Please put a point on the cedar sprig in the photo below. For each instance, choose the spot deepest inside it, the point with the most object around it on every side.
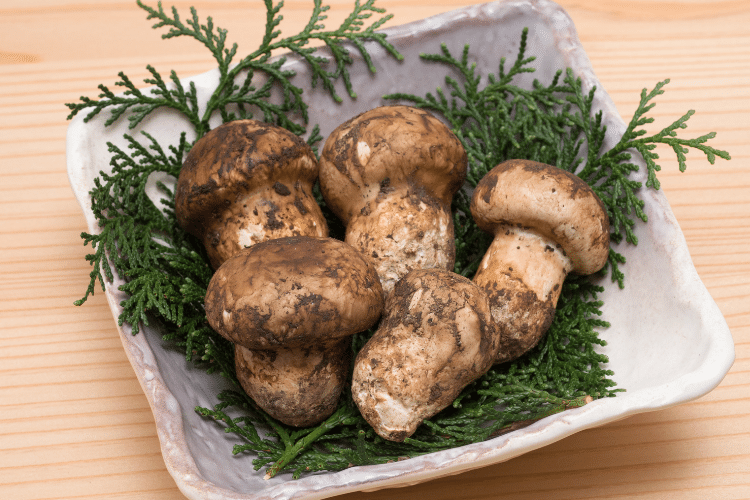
(611, 172)
(119, 200)
(237, 94)
(120, 204)
(555, 124)
(353, 30)
(244, 425)
(165, 269)
(133, 230)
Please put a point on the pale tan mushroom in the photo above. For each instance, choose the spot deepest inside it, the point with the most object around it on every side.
(291, 306)
(436, 336)
(245, 182)
(390, 175)
(546, 223)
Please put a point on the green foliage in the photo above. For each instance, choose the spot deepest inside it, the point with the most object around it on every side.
(610, 172)
(120, 203)
(236, 95)
(554, 124)
(166, 271)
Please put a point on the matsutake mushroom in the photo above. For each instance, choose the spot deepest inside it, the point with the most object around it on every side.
(291, 305)
(245, 182)
(390, 174)
(546, 223)
(437, 336)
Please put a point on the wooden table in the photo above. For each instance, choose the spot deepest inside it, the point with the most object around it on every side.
(74, 422)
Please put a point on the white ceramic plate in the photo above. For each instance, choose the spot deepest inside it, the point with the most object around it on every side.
(668, 342)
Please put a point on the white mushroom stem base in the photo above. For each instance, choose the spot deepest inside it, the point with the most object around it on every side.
(277, 211)
(436, 337)
(399, 233)
(297, 386)
(522, 273)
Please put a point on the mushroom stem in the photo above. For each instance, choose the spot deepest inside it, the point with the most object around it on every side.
(522, 273)
(276, 211)
(402, 232)
(299, 386)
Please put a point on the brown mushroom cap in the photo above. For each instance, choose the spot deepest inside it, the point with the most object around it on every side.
(244, 182)
(385, 147)
(553, 202)
(292, 292)
(436, 337)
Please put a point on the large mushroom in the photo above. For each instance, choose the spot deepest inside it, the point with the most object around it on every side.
(390, 175)
(291, 305)
(546, 223)
(245, 182)
(436, 337)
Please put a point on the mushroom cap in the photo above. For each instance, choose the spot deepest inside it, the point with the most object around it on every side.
(553, 202)
(386, 147)
(292, 292)
(232, 161)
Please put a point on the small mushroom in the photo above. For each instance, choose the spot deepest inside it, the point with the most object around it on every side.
(436, 337)
(390, 175)
(245, 182)
(291, 305)
(546, 223)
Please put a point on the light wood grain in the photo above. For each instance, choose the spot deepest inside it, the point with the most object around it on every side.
(74, 421)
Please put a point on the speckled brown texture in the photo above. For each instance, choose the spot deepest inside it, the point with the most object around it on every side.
(522, 274)
(554, 203)
(390, 174)
(292, 304)
(547, 223)
(437, 336)
(298, 386)
(293, 292)
(245, 182)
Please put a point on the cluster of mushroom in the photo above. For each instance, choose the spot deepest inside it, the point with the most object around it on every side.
(290, 298)
(285, 294)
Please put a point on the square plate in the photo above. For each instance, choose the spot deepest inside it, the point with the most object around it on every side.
(668, 342)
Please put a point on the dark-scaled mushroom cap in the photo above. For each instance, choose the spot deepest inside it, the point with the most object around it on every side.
(555, 203)
(385, 147)
(234, 160)
(293, 292)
